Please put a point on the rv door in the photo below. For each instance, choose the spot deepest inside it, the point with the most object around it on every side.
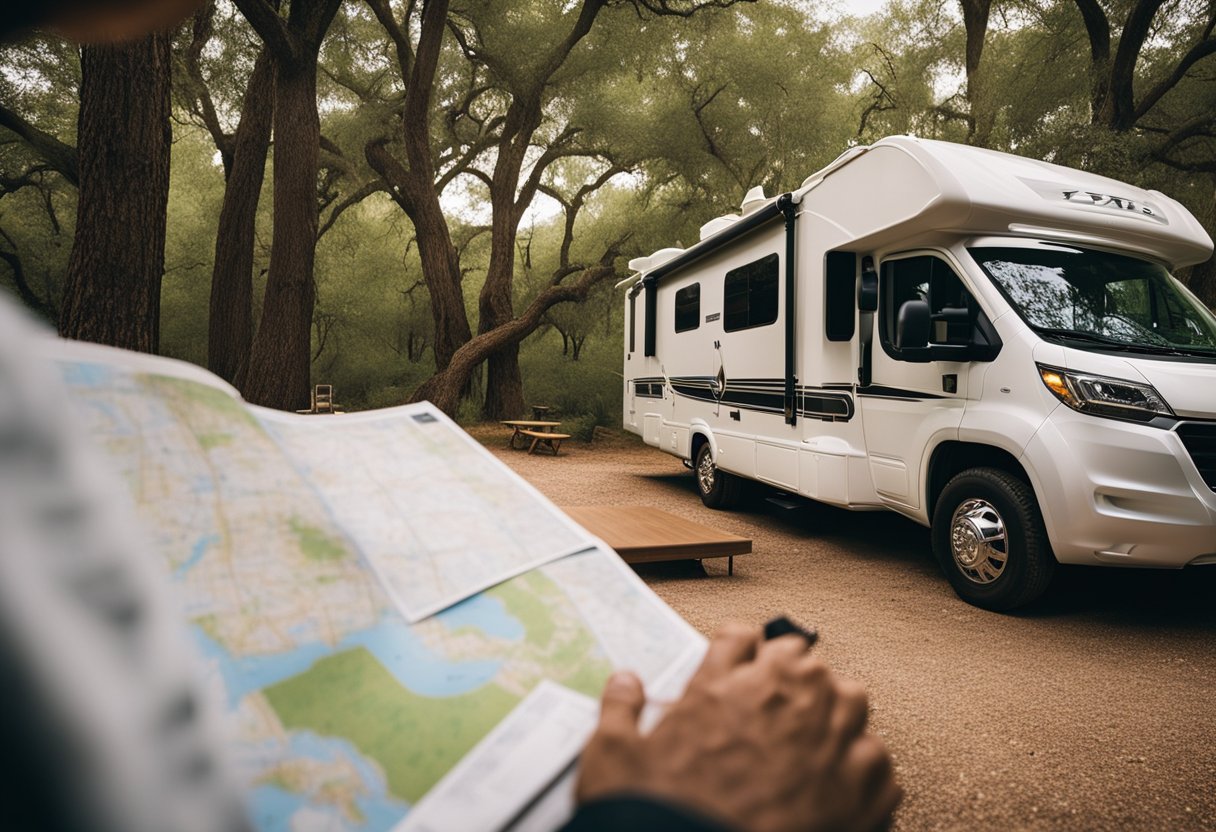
(915, 394)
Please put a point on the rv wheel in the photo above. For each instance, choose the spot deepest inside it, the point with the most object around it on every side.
(718, 489)
(989, 538)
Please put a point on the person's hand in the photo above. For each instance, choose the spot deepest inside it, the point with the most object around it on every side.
(765, 738)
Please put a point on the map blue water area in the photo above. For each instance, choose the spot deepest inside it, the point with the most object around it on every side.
(380, 809)
(84, 376)
(80, 374)
(392, 641)
(197, 551)
(273, 808)
(486, 613)
(246, 674)
(416, 666)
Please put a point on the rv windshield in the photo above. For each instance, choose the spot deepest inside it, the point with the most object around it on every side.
(1098, 300)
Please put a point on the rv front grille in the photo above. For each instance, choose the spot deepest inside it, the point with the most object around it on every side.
(1200, 441)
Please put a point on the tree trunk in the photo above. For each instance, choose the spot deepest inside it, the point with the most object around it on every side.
(1097, 27)
(441, 268)
(414, 190)
(1202, 281)
(983, 111)
(504, 384)
(112, 295)
(278, 374)
(230, 327)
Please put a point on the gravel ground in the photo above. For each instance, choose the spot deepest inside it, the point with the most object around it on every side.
(1094, 710)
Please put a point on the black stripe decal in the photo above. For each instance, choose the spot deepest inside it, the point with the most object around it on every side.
(875, 391)
(813, 403)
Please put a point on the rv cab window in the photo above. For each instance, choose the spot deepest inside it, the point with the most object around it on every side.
(688, 308)
(751, 295)
(932, 280)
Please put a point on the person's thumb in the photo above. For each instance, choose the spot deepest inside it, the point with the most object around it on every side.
(621, 704)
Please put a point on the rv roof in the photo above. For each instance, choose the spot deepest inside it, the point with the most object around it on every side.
(976, 190)
(901, 182)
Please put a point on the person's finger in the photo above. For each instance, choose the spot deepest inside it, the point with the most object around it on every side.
(849, 715)
(621, 705)
(782, 652)
(868, 763)
(730, 647)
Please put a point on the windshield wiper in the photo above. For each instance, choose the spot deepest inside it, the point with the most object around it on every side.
(1111, 343)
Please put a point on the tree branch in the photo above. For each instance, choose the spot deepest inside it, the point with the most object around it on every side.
(558, 149)
(444, 387)
(59, 156)
(201, 102)
(271, 28)
(666, 7)
(575, 205)
(401, 42)
(366, 190)
(31, 299)
(1206, 46)
(422, 78)
(1097, 26)
(1119, 111)
(394, 174)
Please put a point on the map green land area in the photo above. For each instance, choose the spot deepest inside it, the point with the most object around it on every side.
(415, 739)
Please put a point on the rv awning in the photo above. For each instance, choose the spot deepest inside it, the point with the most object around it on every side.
(712, 244)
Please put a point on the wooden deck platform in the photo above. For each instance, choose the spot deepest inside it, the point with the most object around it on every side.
(641, 534)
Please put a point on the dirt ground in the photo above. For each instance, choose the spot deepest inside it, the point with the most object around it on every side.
(1093, 710)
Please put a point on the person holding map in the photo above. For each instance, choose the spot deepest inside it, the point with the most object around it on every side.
(104, 728)
(764, 738)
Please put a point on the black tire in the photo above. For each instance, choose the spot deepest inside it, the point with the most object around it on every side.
(983, 501)
(718, 489)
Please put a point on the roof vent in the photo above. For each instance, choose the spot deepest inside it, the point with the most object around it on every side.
(753, 200)
(717, 224)
(663, 255)
(645, 264)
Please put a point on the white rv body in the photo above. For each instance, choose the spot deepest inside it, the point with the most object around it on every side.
(783, 400)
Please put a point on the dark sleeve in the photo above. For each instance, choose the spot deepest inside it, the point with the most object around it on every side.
(638, 813)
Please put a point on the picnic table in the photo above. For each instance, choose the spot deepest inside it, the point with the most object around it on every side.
(541, 433)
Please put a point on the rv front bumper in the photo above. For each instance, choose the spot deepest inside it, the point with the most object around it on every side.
(1117, 493)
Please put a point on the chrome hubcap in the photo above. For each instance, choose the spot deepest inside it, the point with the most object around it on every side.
(705, 473)
(978, 541)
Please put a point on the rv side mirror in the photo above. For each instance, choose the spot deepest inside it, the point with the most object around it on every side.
(867, 291)
(912, 326)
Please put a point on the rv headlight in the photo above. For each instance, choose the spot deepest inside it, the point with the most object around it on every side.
(1104, 396)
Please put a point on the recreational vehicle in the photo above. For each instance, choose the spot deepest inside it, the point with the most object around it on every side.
(990, 345)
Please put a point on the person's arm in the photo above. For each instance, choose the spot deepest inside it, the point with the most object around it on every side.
(764, 738)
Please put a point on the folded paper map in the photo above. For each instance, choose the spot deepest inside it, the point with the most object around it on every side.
(398, 631)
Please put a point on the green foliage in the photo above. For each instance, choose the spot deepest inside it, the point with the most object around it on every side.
(699, 109)
(196, 190)
(583, 393)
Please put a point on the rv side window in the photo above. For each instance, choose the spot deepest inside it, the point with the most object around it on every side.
(688, 308)
(840, 295)
(930, 279)
(751, 295)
